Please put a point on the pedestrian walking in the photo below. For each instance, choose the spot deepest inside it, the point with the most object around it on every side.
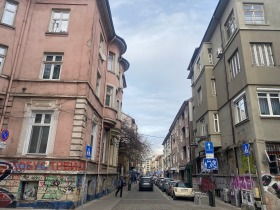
(119, 186)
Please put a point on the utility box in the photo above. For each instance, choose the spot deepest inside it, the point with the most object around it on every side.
(235, 197)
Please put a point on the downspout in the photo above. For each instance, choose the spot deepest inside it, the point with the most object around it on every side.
(15, 62)
(102, 121)
(227, 91)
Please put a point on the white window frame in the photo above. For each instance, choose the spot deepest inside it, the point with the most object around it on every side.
(213, 87)
(216, 123)
(104, 145)
(8, 11)
(230, 25)
(241, 113)
(234, 64)
(3, 53)
(262, 54)
(94, 140)
(203, 127)
(268, 95)
(53, 63)
(199, 93)
(56, 25)
(27, 126)
(110, 95)
(251, 13)
(111, 62)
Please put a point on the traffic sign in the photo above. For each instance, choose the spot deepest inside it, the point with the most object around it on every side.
(210, 163)
(4, 135)
(246, 149)
(209, 147)
(88, 151)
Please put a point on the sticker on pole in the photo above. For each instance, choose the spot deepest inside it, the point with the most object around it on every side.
(88, 151)
(4, 135)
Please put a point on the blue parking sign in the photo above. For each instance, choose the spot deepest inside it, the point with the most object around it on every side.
(88, 151)
(210, 163)
(246, 149)
(209, 147)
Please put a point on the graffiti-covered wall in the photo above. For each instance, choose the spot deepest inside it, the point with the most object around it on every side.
(21, 186)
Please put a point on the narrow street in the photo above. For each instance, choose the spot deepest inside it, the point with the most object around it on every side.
(149, 200)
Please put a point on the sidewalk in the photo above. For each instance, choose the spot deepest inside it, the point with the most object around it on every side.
(106, 202)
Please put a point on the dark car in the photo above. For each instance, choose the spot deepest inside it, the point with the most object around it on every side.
(146, 183)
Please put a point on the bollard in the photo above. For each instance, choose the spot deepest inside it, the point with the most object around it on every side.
(211, 198)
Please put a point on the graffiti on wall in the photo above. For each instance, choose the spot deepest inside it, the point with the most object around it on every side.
(7, 199)
(205, 183)
(271, 184)
(241, 183)
(49, 165)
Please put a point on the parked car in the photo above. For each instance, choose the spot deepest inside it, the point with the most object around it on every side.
(158, 181)
(146, 183)
(180, 189)
(169, 187)
(164, 183)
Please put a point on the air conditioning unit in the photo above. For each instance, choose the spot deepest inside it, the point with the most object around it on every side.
(219, 52)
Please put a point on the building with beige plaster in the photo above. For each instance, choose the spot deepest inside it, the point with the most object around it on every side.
(235, 85)
(61, 86)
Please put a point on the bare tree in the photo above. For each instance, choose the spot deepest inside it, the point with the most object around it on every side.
(133, 145)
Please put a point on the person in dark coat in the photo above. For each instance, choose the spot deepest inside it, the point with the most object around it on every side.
(119, 186)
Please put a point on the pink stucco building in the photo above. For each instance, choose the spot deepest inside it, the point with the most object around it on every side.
(61, 87)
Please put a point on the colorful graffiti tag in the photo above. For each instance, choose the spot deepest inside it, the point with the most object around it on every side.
(241, 183)
(7, 199)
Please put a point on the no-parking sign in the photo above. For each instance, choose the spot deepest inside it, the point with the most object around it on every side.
(4, 135)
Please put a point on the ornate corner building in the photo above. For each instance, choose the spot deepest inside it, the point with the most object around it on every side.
(62, 75)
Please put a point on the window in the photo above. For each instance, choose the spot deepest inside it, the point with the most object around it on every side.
(198, 64)
(40, 123)
(104, 143)
(29, 191)
(93, 140)
(254, 13)
(199, 93)
(111, 62)
(9, 13)
(101, 48)
(241, 109)
(210, 56)
(230, 25)
(262, 54)
(269, 103)
(213, 87)
(216, 123)
(203, 127)
(52, 66)
(273, 152)
(59, 21)
(3, 52)
(98, 81)
(234, 65)
(109, 96)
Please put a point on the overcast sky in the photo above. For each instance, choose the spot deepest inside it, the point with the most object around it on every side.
(161, 36)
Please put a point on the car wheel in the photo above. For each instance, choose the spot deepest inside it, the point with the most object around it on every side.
(174, 197)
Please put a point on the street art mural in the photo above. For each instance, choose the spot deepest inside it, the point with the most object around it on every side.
(7, 199)
(271, 184)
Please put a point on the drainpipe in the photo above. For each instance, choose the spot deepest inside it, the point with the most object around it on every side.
(102, 121)
(15, 62)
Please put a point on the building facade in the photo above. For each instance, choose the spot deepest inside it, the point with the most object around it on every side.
(236, 95)
(61, 86)
(177, 145)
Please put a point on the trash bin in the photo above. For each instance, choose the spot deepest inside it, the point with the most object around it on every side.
(211, 195)
(129, 185)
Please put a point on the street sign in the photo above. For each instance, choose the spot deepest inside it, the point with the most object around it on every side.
(246, 149)
(88, 151)
(209, 155)
(4, 135)
(210, 163)
(209, 147)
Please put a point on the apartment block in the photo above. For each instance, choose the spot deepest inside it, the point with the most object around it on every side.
(234, 78)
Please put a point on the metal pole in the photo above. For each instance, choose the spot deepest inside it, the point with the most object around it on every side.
(250, 173)
(83, 186)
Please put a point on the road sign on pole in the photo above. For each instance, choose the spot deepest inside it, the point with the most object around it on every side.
(88, 151)
(209, 149)
(246, 149)
(4, 135)
(210, 163)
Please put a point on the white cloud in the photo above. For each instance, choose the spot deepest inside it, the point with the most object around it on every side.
(161, 37)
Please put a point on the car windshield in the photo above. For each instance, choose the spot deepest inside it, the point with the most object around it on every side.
(182, 184)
